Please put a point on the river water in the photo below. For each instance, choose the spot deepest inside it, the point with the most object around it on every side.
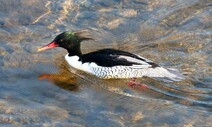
(37, 89)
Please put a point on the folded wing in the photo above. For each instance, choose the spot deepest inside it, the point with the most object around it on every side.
(112, 57)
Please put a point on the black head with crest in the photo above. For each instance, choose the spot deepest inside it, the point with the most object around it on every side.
(69, 41)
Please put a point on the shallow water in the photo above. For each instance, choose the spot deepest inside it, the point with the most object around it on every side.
(37, 89)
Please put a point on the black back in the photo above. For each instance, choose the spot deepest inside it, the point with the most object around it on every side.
(110, 58)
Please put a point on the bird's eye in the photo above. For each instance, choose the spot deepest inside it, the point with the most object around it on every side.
(61, 39)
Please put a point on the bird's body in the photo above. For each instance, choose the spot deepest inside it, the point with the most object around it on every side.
(109, 63)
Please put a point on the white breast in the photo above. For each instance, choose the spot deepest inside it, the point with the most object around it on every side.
(74, 62)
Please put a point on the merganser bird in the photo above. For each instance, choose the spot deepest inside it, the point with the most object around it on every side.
(108, 63)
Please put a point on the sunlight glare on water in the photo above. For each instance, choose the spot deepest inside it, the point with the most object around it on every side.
(40, 89)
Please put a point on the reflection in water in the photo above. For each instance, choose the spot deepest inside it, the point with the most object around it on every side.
(65, 83)
(63, 79)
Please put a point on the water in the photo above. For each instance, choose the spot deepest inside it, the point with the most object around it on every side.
(37, 89)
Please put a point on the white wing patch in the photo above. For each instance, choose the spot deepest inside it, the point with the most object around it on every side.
(131, 59)
(143, 64)
(147, 60)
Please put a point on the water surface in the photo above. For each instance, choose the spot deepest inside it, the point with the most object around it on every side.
(37, 89)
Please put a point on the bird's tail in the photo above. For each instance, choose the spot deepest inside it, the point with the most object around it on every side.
(168, 75)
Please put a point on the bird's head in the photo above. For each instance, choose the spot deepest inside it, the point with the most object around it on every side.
(67, 40)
